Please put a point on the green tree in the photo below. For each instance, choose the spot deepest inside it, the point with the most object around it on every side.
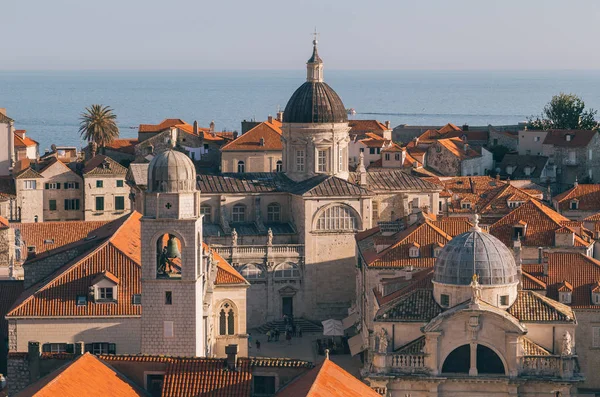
(99, 125)
(565, 112)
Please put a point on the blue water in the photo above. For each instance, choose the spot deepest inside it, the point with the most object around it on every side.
(48, 104)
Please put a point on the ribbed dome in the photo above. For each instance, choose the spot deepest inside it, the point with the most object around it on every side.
(475, 252)
(171, 172)
(315, 102)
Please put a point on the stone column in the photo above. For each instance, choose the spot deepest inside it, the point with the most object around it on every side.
(473, 369)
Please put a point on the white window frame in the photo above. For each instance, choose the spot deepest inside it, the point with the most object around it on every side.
(274, 212)
(413, 252)
(279, 166)
(238, 213)
(300, 160)
(241, 166)
(341, 160)
(106, 293)
(286, 270)
(337, 218)
(322, 155)
(564, 297)
(252, 271)
(29, 184)
(465, 206)
(206, 210)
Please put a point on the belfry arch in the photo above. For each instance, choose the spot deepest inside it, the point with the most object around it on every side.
(487, 361)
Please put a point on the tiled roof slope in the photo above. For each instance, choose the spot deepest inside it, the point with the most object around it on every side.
(251, 140)
(518, 162)
(46, 236)
(587, 195)
(541, 222)
(415, 306)
(123, 145)
(23, 142)
(362, 127)
(258, 182)
(579, 138)
(532, 307)
(85, 376)
(325, 185)
(413, 347)
(206, 377)
(456, 147)
(578, 270)
(56, 296)
(4, 223)
(226, 274)
(327, 380)
(530, 348)
(393, 180)
(95, 166)
(163, 125)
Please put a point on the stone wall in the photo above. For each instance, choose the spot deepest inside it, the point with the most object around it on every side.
(30, 201)
(443, 161)
(498, 138)
(59, 173)
(588, 354)
(17, 375)
(255, 161)
(109, 191)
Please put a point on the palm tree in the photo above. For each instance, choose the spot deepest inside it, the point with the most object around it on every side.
(99, 125)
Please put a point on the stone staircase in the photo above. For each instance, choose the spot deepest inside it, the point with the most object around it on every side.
(302, 323)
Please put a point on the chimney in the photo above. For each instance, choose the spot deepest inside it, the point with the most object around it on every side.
(33, 357)
(20, 133)
(195, 127)
(465, 127)
(79, 348)
(540, 254)
(232, 352)
(235, 134)
(576, 183)
(416, 139)
(280, 116)
(212, 126)
(270, 119)
(3, 111)
(261, 142)
(361, 169)
(388, 125)
(545, 266)
(466, 146)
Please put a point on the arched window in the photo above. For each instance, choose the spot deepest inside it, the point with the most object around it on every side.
(274, 212)
(227, 319)
(241, 166)
(279, 166)
(252, 272)
(168, 256)
(206, 210)
(238, 214)
(337, 218)
(287, 270)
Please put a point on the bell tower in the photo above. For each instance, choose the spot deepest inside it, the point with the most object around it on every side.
(173, 279)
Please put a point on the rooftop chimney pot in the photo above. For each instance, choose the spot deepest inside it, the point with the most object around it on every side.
(232, 352)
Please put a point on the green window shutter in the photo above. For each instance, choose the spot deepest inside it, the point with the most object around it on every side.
(58, 185)
(76, 204)
(66, 185)
(46, 348)
(76, 185)
(47, 186)
(99, 203)
(112, 348)
(119, 203)
(120, 183)
(70, 348)
(66, 204)
(52, 205)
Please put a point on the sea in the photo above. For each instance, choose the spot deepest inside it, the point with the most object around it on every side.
(48, 104)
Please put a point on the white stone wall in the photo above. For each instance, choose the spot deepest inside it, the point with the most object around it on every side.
(7, 147)
(109, 191)
(59, 173)
(237, 296)
(30, 201)
(255, 161)
(124, 332)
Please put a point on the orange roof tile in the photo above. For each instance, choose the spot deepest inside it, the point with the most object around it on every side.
(85, 376)
(579, 138)
(163, 125)
(23, 142)
(327, 380)
(542, 222)
(56, 296)
(569, 271)
(587, 195)
(4, 223)
(449, 128)
(251, 140)
(456, 147)
(226, 274)
(362, 127)
(123, 145)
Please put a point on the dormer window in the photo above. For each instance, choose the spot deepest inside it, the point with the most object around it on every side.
(465, 205)
(81, 300)
(595, 298)
(568, 137)
(518, 232)
(527, 170)
(414, 251)
(574, 204)
(509, 170)
(565, 290)
(437, 248)
(104, 287)
(514, 204)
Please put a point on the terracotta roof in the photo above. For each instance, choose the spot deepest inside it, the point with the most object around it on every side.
(327, 380)
(588, 196)
(456, 147)
(579, 138)
(374, 141)
(453, 226)
(448, 128)
(251, 140)
(278, 362)
(530, 348)
(362, 127)
(4, 118)
(226, 274)
(415, 306)
(56, 296)
(593, 218)
(47, 236)
(28, 173)
(536, 308)
(123, 145)
(4, 223)
(95, 166)
(23, 142)
(519, 162)
(542, 222)
(572, 271)
(163, 125)
(85, 376)
(191, 377)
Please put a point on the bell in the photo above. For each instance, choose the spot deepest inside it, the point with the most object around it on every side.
(172, 248)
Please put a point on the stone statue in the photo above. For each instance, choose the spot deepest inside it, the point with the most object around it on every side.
(270, 237)
(475, 288)
(234, 237)
(383, 341)
(567, 344)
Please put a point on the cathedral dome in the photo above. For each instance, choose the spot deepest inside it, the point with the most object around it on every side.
(315, 102)
(475, 252)
(171, 172)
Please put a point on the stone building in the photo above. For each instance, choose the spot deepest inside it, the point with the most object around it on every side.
(7, 143)
(25, 147)
(531, 142)
(537, 169)
(257, 150)
(467, 329)
(455, 157)
(507, 139)
(106, 195)
(574, 154)
(579, 202)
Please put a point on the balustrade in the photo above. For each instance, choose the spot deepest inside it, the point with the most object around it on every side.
(556, 366)
(260, 250)
(407, 363)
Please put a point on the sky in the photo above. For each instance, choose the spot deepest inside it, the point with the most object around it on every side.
(276, 34)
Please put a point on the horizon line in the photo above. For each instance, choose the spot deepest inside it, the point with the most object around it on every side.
(292, 69)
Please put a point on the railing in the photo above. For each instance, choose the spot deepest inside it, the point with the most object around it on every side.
(406, 363)
(554, 366)
(260, 250)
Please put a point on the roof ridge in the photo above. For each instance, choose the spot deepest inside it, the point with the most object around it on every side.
(322, 366)
(534, 279)
(549, 302)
